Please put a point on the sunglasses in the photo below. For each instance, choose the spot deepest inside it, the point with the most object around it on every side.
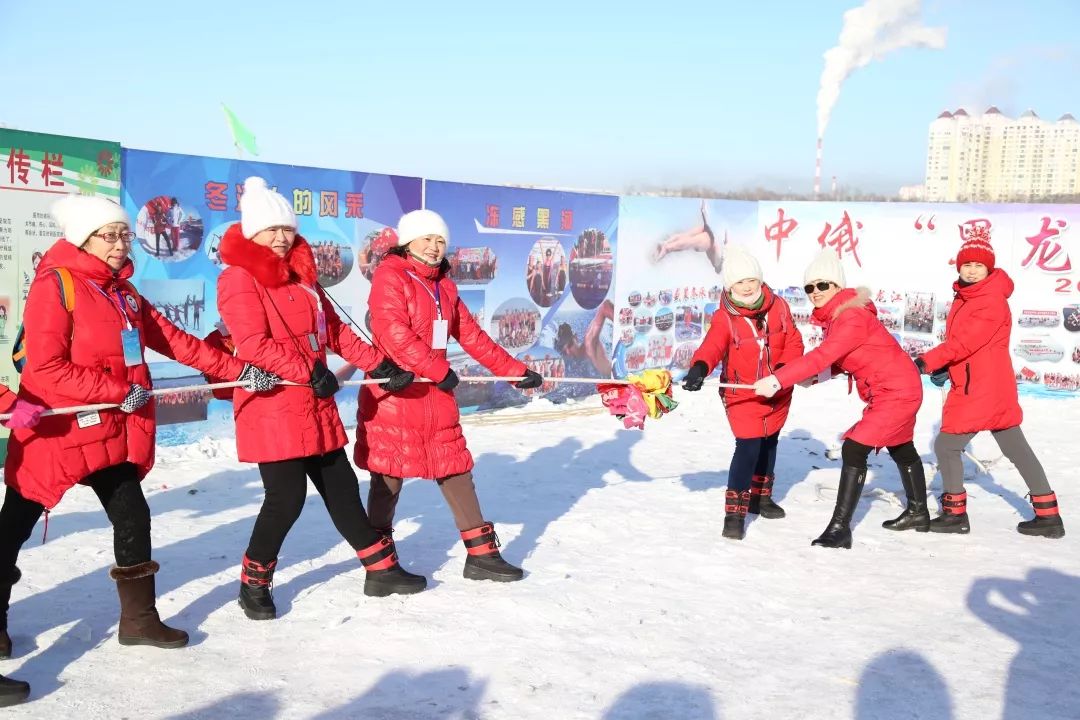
(822, 286)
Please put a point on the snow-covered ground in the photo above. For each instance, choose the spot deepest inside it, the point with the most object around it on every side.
(633, 606)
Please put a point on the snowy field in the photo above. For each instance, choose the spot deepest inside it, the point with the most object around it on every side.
(633, 605)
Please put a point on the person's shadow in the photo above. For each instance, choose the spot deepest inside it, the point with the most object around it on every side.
(532, 493)
(656, 700)
(901, 684)
(403, 695)
(1039, 613)
(183, 561)
(240, 705)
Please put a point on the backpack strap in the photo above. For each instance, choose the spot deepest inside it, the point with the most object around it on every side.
(67, 299)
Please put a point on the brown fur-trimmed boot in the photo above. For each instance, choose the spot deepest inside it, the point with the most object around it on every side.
(5, 600)
(484, 562)
(140, 623)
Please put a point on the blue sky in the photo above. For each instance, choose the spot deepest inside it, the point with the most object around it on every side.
(596, 95)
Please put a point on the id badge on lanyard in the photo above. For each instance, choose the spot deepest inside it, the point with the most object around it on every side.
(440, 328)
(129, 336)
(319, 338)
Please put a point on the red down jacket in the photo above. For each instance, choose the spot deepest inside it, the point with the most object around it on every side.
(976, 353)
(270, 306)
(415, 432)
(77, 358)
(887, 379)
(7, 399)
(751, 344)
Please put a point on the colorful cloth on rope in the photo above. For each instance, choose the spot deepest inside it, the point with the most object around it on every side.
(647, 395)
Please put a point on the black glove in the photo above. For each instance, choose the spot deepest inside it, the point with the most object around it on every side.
(449, 382)
(137, 397)
(257, 380)
(940, 377)
(695, 377)
(399, 380)
(323, 382)
(532, 380)
(921, 364)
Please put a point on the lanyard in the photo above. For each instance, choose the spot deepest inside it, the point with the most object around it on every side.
(434, 295)
(318, 300)
(117, 303)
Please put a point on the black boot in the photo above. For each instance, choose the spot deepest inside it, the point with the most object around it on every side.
(1047, 522)
(140, 623)
(484, 561)
(838, 533)
(915, 517)
(953, 518)
(761, 502)
(5, 600)
(257, 589)
(12, 691)
(384, 575)
(735, 507)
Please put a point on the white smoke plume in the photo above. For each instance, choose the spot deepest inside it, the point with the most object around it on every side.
(871, 31)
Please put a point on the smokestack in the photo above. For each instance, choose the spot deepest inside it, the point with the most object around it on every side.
(834, 187)
(870, 32)
(817, 171)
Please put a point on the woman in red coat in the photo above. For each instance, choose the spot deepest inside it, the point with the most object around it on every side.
(975, 359)
(855, 342)
(417, 433)
(93, 353)
(752, 334)
(278, 317)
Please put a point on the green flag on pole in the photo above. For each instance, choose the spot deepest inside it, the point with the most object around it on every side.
(243, 139)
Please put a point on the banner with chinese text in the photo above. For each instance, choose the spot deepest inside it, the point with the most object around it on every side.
(536, 267)
(181, 206)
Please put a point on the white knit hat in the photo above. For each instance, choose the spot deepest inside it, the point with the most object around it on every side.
(418, 223)
(826, 266)
(80, 215)
(739, 264)
(261, 208)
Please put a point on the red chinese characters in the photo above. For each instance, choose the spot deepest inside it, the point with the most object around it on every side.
(1048, 254)
(843, 238)
(216, 195)
(354, 204)
(18, 164)
(780, 230)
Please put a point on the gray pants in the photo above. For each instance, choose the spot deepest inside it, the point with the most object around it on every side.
(1014, 446)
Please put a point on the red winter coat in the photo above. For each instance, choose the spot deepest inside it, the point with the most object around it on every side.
(77, 358)
(224, 343)
(268, 306)
(7, 399)
(976, 352)
(887, 379)
(415, 432)
(751, 344)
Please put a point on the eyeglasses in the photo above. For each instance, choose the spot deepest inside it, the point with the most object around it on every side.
(822, 286)
(115, 237)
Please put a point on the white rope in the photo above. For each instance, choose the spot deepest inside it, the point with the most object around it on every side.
(217, 386)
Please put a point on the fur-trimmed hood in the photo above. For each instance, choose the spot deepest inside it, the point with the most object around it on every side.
(268, 269)
(846, 299)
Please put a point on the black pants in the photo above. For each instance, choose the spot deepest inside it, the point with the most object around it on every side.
(855, 453)
(753, 456)
(120, 493)
(286, 491)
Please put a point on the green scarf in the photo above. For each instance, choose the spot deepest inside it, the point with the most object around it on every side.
(756, 305)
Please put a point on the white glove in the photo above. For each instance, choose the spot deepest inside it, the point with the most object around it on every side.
(821, 377)
(767, 386)
(137, 397)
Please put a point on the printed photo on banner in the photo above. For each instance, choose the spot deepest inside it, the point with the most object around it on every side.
(179, 407)
(515, 324)
(591, 266)
(546, 272)
(333, 257)
(373, 249)
(472, 265)
(7, 314)
(919, 312)
(167, 230)
(182, 302)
